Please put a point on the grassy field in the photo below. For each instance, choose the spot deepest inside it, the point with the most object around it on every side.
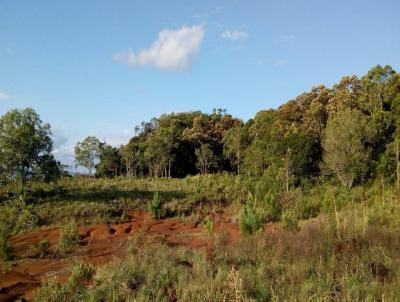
(326, 243)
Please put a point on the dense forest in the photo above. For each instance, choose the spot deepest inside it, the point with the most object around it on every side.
(350, 131)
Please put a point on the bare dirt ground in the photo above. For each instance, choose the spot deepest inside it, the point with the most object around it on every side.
(99, 244)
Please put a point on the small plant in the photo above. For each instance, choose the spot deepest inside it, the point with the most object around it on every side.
(156, 206)
(41, 249)
(124, 218)
(271, 207)
(80, 273)
(51, 291)
(69, 238)
(250, 218)
(233, 287)
(209, 225)
(5, 248)
(289, 221)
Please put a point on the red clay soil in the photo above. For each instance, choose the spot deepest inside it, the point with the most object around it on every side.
(99, 245)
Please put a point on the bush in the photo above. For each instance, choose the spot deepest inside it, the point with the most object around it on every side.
(289, 221)
(69, 238)
(250, 218)
(16, 217)
(51, 291)
(72, 290)
(124, 218)
(271, 208)
(80, 274)
(39, 250)
(5, 248)
(156, 206)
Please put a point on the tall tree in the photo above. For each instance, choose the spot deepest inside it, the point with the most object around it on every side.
(87, 153)
(24, 141)
(344, 151)
(205, 158)
(234, 145)
(110, 161)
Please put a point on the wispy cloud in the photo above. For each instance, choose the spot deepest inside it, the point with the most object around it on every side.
(4, 96)
(280, 62)
(286, 40)
(235, 35)
(174, 50)
(201, 16)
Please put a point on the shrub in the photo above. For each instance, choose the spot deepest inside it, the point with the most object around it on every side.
(289, 221)
(5, 248)
(40, 249)
(271, 208)
(250, 218)
(51, 291)
(16, 216)
(80, 274)
(69, 238)
(209, 225)
(156, 206)
(124, 218)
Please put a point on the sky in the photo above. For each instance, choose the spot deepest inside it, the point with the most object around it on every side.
(101, 67)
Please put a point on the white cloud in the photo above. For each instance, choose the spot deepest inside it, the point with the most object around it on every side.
(235, 35)
(173, 50)
(4, 96)
(280, 63)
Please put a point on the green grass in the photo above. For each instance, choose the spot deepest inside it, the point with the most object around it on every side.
(311, 264)
(348, 251)
(69, 238)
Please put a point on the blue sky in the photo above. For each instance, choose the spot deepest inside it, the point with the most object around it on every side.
(101, 67)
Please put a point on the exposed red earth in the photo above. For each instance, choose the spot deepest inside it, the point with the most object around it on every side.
(99, 244)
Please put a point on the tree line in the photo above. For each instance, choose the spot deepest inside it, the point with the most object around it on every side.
(350, 131)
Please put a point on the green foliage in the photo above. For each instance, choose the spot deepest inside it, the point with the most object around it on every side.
(110, 161)
(87, 153)
(289, 221)
(361, 266)
(271, 208)
(73, 290)
(205, 158)
(80, 273)
(250, 218)
(124, 217)
(25, 144)
(209, 225)
(156, 206)
(42, 248)
(16, 216)
(69, 238)
(344, 151)
(52, 291)
(5, 248)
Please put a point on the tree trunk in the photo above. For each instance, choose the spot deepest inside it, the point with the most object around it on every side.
(169, 168)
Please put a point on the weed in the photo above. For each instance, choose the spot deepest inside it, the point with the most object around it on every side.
(250, 218)
(290, 222)
(5, 248)
(156, 206)
(69, 238)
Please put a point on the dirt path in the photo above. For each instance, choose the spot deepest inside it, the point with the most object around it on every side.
(99, 244)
